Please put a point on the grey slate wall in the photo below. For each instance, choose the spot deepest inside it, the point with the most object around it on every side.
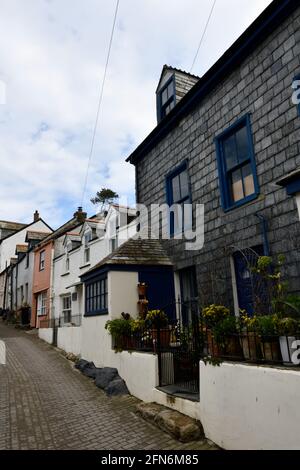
(260, 86)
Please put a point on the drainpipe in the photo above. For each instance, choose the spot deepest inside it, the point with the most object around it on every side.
(5, 287)
(264, 231)
(16, 298)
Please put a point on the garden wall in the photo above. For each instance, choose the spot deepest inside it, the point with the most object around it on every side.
(46, 334)
(69, 339)
(250, 407)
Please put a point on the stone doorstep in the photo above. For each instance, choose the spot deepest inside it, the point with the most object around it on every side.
(179, 426)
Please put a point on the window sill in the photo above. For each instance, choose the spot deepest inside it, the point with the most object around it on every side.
(242, 202)
(96, 314)
(65, 274)
(85, 266)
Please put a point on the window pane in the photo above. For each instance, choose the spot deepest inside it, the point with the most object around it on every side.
(242, 144)
(248, 180)
(178, 219)
(184, 184)
(237, 186)
(176, 189)
(229, 148)
(170, 90)
(164, 96)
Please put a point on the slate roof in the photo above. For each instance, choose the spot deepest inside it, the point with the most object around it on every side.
(5, 224)
(67, 227)
(36, 235)
(21, 248)
(258, 31)
(136, 251)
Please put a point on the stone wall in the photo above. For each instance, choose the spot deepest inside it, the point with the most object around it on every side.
(261, 86)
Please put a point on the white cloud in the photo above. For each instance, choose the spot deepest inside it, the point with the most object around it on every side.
(52, 55)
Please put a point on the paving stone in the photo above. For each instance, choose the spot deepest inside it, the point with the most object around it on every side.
(46, 404)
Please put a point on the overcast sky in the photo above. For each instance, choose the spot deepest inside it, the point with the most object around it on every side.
(52, 56)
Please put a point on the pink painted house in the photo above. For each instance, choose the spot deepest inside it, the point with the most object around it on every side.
(41, 284)
(42, 272)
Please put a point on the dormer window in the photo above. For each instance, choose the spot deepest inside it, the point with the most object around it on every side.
(87, 239)
(166, 98)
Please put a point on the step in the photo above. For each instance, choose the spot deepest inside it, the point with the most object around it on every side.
(178, 425)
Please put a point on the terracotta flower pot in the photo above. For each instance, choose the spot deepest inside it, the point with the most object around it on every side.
(250, 343)
(233, 347)
(165, 336)
(270, 349)
(142, 289)
(212, 346)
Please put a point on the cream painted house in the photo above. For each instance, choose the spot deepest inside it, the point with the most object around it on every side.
(75, 253)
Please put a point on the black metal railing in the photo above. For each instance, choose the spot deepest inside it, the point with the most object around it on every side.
(187, 339)
(252, 347)
(47, 323)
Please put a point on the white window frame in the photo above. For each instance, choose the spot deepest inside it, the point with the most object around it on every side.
(42, 304)
(86, 253)
(67, 308)
(42, 260)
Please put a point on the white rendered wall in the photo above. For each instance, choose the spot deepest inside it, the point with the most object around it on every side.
(250, 407)
(69, 339)
(8, 246)
(46, 334)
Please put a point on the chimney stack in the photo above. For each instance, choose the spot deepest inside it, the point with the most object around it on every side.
(80, 215)
(36, 216)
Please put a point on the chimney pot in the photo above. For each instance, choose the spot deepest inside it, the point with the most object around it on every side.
(36, 216)
(80, 215)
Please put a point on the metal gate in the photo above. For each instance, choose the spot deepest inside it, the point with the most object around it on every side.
(179, 350)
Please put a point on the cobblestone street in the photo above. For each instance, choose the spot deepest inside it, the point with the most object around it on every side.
(46, 404)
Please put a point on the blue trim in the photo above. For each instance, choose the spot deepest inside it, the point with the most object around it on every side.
(183, 166)
(159, 97)
(103, 311)
(226, 201)
(293, 187)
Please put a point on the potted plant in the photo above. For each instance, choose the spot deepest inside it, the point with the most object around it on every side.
(142, 289)
(249, 338)
(143, 307)
(288, 328)
(120, 330)
(226, 336)
(212, 316)
(157, 320)
(268, 332)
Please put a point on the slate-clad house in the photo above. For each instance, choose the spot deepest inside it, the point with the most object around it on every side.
(226, 144)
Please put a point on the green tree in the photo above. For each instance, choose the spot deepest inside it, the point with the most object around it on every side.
(104, 197)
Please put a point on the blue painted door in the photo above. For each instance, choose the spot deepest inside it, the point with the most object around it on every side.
(161, 291)
(243, 283)
(248, 285)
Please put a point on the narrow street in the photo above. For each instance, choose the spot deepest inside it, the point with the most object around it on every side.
(46, 404)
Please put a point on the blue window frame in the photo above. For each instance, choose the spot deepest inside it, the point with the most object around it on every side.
(236, 165)
(178, 192)
(96, 296)
(166, 98)
(297, 78)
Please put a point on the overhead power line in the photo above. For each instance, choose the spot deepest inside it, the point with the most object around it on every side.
(203, 34)
(100, 102)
